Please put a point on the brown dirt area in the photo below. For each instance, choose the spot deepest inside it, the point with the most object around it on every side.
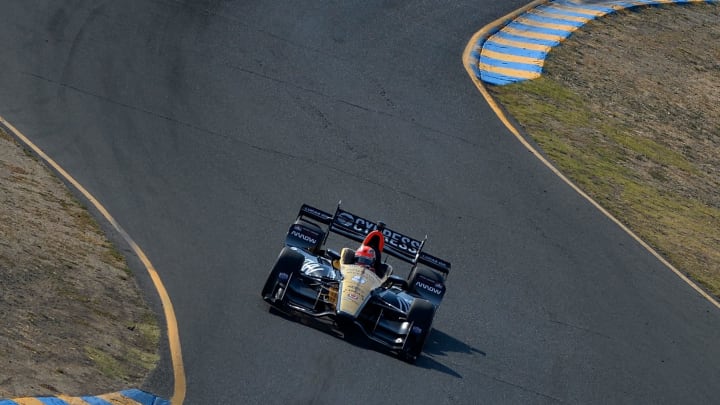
(73, 319)
(658, 69)
(671, 95)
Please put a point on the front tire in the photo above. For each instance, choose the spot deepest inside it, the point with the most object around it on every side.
(421, 317)
(287, 263)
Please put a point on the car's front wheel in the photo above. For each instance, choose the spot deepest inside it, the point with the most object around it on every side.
(286, 264)
(420, 317)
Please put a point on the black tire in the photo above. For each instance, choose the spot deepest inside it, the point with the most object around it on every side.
(288, 261)
(421, 317)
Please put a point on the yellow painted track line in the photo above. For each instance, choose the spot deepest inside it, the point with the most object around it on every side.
(520, 44)
(467, 61)
(532, 34)
(28, 401)
(117, 398)
(172, 328)
(525, 74)
(550, 14)
(513, 58)
(72, 400)
(552, 26)
(587, 11)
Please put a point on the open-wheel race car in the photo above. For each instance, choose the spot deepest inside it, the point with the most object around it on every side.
(358, 287)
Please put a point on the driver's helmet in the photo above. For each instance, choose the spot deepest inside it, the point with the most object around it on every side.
(365, 256)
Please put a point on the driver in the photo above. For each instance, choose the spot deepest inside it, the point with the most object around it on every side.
(365, 256)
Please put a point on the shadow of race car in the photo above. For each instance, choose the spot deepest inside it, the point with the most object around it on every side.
(318, 282)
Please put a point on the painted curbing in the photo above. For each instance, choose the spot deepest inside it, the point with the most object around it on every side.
(126, 397)
(469, 59)
(516, 49)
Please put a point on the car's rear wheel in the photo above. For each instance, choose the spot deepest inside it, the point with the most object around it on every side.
(420, 317)
(286, 264)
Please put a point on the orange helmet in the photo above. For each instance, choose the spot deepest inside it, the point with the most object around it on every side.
(365, 256)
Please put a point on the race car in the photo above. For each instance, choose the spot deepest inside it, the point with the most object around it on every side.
(310, 279)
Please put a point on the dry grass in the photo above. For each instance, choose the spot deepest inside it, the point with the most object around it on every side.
(629, 108)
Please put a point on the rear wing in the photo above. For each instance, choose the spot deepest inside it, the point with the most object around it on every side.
(356, 228)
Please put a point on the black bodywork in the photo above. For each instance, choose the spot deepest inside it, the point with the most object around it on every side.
(306, 279)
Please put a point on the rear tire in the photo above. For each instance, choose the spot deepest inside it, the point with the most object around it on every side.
(421, 317)
(287, 262)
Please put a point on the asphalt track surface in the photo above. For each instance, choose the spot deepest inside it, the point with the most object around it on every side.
(203, 125)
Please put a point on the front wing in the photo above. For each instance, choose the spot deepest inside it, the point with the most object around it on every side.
(381, 321)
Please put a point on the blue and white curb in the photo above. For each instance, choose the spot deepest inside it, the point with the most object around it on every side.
(516, 50)
(127, 397)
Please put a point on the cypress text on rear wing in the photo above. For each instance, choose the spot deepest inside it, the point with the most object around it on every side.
(356, 228)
